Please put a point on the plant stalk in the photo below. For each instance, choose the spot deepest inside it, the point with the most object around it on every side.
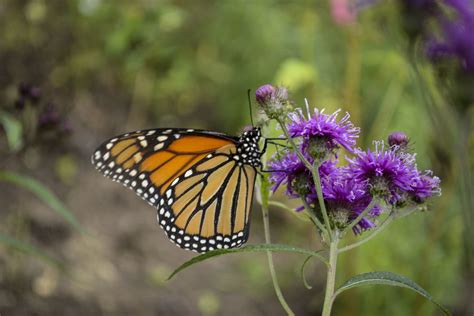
(271, 266)
(319, 191)
(314, 170)
(387, 221)
(331, 276)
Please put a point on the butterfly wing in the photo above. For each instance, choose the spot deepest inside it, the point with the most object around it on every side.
(203, 195)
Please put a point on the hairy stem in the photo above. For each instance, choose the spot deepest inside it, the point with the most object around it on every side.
(264, 193)
(271, 266)
(375, 232)
(315, 220)
(359, 218)
(314, 170)
(319, 191)
(331, 277)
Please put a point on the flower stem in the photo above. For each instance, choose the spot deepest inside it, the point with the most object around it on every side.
(315, 220)
(271, 266)
(331, 277)
(387, 221)
(319, 191)
(314, 170)
(358, 219)
(263, 192)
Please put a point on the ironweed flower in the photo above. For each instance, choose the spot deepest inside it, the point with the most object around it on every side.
(289, 170)
(388, 172)
(425, 185)
(386, 176)
(346, 198)
(323, 134)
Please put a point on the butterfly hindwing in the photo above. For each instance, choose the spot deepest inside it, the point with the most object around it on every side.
(201, 182)
(208, 207)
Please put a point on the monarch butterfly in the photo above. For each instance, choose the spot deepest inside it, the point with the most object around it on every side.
(201, 182)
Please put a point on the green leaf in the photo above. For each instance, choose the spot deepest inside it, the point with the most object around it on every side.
(28, 248)
(248, 248)
(13, 131)
(387, 278)
(43, 194)
(303, 266)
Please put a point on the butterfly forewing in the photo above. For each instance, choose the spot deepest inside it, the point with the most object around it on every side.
(201, 182)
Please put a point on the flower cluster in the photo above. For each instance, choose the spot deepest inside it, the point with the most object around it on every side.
(40, 120)
(456, 40)
(364, 182)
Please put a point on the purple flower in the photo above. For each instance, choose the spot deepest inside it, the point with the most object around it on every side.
(389, 173)
(287, 168)
(346, 198)
(291, 171)
(323, 133)
(49, 116)
(457, 40)
(425, 186)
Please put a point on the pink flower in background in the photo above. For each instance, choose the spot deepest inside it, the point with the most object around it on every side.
(341, 12)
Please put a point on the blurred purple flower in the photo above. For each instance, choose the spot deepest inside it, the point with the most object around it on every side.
(323, 130)
(49, 116)
(27, 91)
(457, 36)
(342, 13)
(388, 173)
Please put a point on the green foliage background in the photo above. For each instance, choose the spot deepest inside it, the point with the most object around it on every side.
(114, 66)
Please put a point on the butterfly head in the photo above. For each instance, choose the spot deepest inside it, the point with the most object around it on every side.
(248, 149)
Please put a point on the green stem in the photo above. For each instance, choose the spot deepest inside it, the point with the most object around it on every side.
(387, 221)
(358, 219)
(315, 220)
(271, 266)
(264, 193)
(314, 170)
(331, 277)
(319, 191)
(294, 146)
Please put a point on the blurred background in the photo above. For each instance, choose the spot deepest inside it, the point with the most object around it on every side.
(74, 73)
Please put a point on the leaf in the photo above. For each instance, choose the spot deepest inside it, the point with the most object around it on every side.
(387, 278)
(28, 248)
(248, 248)
(43, 194)
(13, 131)
(303, 266)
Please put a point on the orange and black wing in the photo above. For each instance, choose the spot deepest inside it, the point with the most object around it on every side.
(202, 193)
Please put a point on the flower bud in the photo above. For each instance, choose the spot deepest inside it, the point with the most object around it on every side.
(398, 139)
(264, 94)
(273, 101)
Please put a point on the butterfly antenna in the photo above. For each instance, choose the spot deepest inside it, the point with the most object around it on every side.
(250, 106)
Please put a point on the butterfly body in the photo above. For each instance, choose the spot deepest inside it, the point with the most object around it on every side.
(200, 182)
